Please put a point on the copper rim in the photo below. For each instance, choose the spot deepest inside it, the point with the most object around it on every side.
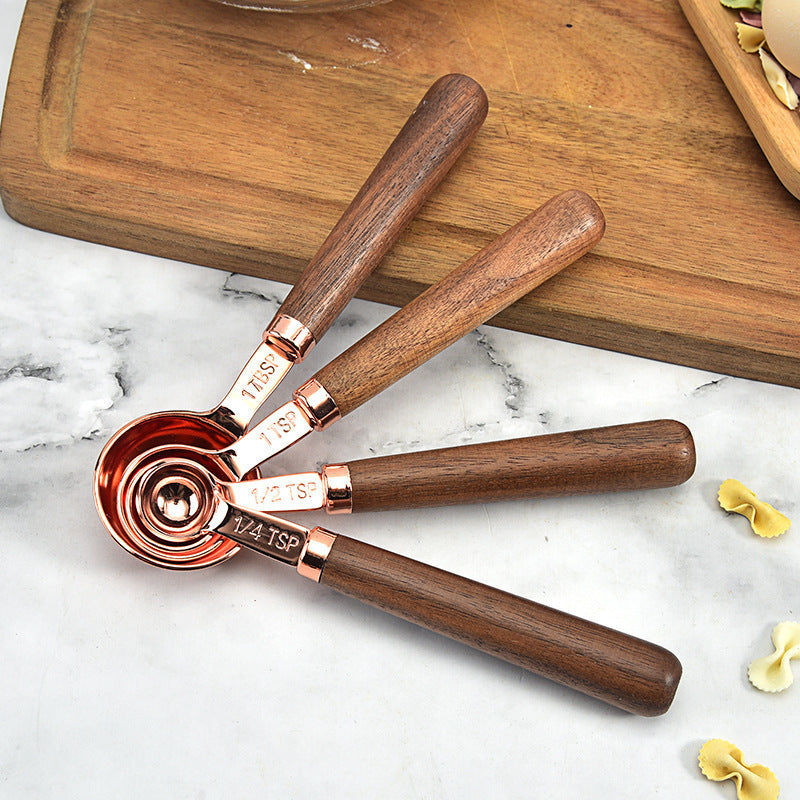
(171, 540)
(132, 444)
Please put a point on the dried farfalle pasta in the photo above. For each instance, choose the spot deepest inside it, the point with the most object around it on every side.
(720, 761)
(773, 673)
(750, 38)
(764, 519)
(778, 80)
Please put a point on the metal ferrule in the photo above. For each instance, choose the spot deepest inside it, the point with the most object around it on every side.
(315, 553)
(317, 404)
(337, 490)
(290, 336)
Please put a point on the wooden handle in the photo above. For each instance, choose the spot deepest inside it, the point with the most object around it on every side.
(536, 248)
(641, 455)
(438, 131)
(626, 672)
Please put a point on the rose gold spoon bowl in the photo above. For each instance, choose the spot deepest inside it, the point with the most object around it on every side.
(436, 133)
(172, 542)
(526, 255)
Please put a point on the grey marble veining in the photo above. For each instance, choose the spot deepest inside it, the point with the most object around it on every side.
(121, 679)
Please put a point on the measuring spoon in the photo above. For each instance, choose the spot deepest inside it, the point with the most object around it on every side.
(437, 132)
(627, 672)
(535, 249)
(638, 455)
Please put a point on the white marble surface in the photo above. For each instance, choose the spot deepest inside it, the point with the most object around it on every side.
(123, 680)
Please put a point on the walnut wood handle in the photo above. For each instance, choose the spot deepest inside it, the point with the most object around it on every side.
(640, 455)
(558, 233)
(627, 672)
(436, 133)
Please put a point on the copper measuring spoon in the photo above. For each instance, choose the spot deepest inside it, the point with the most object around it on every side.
(639, 455)
(547, 240)
(437, 132)
(627, 672)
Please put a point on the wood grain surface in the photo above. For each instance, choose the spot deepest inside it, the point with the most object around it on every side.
(440, 128)
(626, 672)
(520, 259)
(236, 139)
(640, 455)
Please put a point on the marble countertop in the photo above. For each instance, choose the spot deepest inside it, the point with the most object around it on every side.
(120, 679)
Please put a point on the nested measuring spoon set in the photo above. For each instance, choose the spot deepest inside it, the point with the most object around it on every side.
(184, 489)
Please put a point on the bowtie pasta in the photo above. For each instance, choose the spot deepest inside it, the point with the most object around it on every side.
(720, 760)
(773, 673)
(764, 519)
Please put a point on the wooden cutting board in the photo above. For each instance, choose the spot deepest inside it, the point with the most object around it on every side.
(235, 139)
(776, 130)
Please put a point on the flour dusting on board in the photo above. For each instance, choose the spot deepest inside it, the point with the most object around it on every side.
(295, 59)
(367, 43)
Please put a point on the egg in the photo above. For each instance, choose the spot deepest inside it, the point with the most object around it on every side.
(780, 20)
